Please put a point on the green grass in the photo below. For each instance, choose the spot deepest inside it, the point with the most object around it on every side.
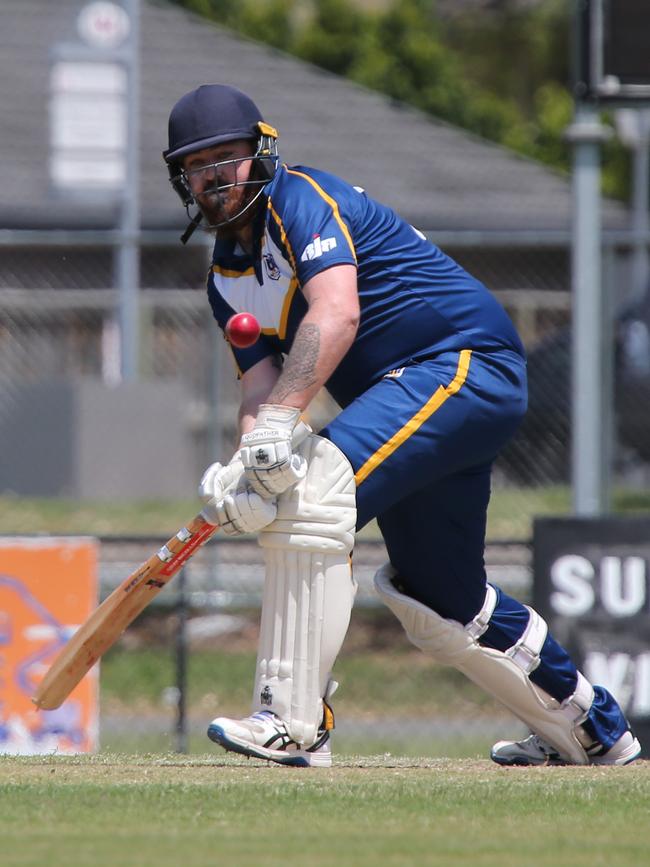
(166, 812)
(511, 514)
(94, 518)
(388, 741)
(380, 692)
(392, 698)
(402, 683)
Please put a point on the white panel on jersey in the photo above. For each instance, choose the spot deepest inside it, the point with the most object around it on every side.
(265, 302)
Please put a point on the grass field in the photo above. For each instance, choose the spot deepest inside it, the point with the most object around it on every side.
(213, 809)
(511, 513)
(160, 811)
(392, 698)
(397, 703)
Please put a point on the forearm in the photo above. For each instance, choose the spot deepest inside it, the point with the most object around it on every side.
(247, 416)
(319, 345)
(256, 386)
(322, 339)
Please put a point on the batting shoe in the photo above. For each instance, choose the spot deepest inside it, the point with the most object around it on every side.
(535, 751)
(264, 736)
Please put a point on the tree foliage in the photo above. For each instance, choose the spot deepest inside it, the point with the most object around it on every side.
(498, 69)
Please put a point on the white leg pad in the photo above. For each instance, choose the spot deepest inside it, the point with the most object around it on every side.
(503, 675)
(308, 592)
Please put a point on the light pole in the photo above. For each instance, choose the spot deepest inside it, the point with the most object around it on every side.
(590, 351)
(128, 257)
(633, 128)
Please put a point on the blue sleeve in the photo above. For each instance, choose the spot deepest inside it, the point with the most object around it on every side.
(244, 358)
(314, 223)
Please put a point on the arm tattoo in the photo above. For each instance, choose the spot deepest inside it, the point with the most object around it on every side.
(300, 365)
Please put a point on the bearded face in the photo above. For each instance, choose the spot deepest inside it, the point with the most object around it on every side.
(219, 179)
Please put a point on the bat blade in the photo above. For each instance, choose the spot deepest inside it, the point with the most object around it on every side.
(105, 625)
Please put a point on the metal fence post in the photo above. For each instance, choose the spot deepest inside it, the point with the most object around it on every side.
(181, 664)
(588, 380)
(128, 262)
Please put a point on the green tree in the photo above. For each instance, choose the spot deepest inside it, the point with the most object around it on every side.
(269, 21)
(333, 36)
(512, 48)
(498, 69)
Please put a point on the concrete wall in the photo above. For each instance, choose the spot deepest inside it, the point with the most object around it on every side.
(85, 440)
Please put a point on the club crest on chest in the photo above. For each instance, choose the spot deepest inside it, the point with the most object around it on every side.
(271, 267)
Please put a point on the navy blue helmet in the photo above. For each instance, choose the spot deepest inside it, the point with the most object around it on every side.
(210, 115)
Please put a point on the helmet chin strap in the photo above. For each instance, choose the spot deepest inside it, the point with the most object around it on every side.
(192, 227)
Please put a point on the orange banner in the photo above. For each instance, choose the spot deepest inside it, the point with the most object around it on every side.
(48, 587)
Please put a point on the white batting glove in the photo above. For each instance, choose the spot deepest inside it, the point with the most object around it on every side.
(244, 512)
(230, 503)
(219, 480)
(270, 466)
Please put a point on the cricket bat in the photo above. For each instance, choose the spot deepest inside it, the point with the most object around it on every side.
(117, 611)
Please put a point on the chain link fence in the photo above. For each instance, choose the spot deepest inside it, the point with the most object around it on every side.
(58, 330)
(191, 656)
(59, 314)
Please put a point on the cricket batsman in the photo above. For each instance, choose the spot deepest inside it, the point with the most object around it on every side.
(430, 375)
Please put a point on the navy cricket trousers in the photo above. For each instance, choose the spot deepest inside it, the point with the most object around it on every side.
(421, 442)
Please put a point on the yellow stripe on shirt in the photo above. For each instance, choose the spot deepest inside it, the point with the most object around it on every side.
(441, 394)
(283, 234)
(333, 205)
(227, 272)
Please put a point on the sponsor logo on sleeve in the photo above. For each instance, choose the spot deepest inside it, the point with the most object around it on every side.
(317, 247)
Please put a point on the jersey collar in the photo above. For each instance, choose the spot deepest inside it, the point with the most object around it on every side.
(228, 254)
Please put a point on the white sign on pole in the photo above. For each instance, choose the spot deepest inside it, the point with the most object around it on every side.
(103, 25)
(88, 125)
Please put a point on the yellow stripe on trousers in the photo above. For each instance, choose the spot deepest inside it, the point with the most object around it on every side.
(435, 402)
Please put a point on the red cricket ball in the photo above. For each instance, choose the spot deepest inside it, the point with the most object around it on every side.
(242, 330)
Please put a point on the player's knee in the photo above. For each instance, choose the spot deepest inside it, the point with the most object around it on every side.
(319, 513)
(449, 640)
(446, 640)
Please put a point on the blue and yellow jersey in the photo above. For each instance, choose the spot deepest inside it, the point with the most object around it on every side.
(415, 301)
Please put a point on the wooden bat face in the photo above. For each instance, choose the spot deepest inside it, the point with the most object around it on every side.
(117, 611)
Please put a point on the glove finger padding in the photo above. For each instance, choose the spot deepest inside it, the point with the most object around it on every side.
(210, 484)
(278, 479)
(217, 481)
(267, 450)
(244, 512)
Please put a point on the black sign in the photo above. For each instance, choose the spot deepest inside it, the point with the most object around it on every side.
(613, 60)
(592, 585)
